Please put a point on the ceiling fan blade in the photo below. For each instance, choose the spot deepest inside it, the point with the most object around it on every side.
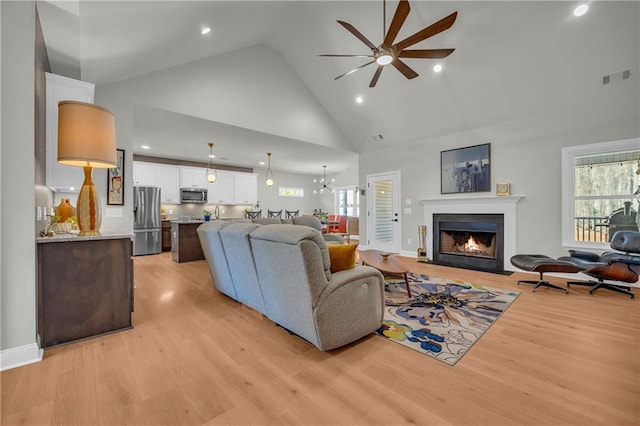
(426, 54)
(347, 56)
(358, 34)
(431, 30)
(376, 75)
(404, 69)
(402, 11)
(353, 70)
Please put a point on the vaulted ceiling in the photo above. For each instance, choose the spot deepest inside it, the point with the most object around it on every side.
(513, 60)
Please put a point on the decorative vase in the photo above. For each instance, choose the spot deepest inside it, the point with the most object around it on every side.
(207, 217)
(64, 210)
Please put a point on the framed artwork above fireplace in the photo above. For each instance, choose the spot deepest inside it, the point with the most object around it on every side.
(466, 169)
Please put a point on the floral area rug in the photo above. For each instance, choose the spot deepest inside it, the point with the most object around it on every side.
(444, 318)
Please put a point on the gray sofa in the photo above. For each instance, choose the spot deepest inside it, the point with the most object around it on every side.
(283, 271)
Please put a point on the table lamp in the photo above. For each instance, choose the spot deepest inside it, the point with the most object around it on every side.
(87, 139)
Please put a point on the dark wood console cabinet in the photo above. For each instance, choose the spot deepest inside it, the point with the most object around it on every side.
(85, 288)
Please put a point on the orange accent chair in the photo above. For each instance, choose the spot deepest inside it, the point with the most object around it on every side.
(341, 226)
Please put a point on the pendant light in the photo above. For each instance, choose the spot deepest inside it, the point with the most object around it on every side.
(212, 175)
(323, 182)
(269, 175)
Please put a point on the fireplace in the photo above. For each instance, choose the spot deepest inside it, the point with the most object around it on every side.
(471, 241)
(475, 204)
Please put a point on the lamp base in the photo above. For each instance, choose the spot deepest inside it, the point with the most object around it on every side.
(88, 207)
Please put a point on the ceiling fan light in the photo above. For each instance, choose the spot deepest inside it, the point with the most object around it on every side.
(384, 59)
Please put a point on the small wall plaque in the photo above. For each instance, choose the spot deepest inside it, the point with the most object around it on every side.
(503, 189)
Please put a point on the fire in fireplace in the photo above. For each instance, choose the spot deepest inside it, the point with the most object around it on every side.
(472, 241)
(466, 243)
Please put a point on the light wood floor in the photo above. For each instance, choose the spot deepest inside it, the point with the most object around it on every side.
(197, 357)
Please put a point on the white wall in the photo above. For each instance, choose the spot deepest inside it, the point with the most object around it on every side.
(17, 230)
(526, 153)
(221, 86)
(270, 200)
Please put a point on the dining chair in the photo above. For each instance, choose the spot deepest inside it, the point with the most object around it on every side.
(253, 214)
(290, 214)
(274, 214)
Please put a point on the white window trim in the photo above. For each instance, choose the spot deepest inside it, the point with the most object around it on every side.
(569, 155)
(336, 207)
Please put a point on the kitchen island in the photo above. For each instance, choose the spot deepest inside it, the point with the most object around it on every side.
(185, 244)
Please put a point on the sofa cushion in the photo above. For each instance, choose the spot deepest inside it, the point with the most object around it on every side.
(211, 242)
(237, 247)
(342, 256)
(266, 221)
(310, 221)
(294, 234)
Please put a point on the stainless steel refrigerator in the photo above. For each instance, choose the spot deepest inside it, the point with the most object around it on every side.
(147, 226)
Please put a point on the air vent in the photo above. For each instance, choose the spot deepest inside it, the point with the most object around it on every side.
(378, 138)
(616, 77)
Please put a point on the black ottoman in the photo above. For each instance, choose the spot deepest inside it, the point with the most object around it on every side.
(541, 264)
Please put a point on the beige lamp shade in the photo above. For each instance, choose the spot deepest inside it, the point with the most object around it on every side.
(86, 135)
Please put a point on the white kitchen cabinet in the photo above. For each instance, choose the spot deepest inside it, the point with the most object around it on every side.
(245, 188)
(168, 179)
(193, 177)
(60, 177)
(230, 187)
(165, 176)
(144, 174)
(222, 190)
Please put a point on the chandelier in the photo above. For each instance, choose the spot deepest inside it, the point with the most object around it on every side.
(212, 175)
(323, 183)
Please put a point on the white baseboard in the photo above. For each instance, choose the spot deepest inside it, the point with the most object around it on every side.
(19, 356)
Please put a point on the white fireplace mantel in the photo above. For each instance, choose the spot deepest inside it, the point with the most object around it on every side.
(505, 205)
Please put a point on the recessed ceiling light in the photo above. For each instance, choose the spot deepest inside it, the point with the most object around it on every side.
(437, 68)
(145, 147)
(359, 99)
(580, 10)
(261, 163)
(212, 156)
(205, 30)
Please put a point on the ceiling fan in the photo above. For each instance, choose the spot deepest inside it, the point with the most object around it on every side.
(389, 53)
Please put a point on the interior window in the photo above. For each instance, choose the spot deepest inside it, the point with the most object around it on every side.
(599, 184)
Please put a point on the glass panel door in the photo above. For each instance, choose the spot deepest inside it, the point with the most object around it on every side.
(383, 230)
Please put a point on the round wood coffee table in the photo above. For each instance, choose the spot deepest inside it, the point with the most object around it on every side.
(388, 265)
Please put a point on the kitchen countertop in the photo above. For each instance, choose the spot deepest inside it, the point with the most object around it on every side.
(199, 220)
(183, 221)
(104, 235)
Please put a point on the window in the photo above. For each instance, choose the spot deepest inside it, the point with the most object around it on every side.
(290, 192)
(599, 181)
(346, 200)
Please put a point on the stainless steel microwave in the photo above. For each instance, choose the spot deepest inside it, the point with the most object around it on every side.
(193, 195)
